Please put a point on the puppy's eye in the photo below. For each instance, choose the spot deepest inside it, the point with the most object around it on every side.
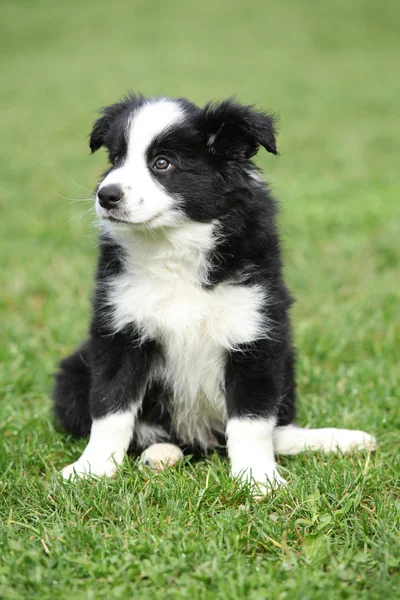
(116, 160)
(161, 164)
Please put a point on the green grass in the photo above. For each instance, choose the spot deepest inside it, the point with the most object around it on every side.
(331, 71)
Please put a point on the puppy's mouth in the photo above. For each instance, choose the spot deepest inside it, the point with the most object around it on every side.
(115, 220)
(133, 223)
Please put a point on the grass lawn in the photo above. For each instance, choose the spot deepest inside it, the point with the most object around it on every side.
(331, 71)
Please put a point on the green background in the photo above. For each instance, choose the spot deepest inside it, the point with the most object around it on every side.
(331, 71)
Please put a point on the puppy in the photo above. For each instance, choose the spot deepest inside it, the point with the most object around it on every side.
(190, 339)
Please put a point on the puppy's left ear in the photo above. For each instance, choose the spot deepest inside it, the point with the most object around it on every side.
(103, 124)
(109, 115)
(235, 130)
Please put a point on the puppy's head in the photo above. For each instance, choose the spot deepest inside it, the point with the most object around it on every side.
(172, 161)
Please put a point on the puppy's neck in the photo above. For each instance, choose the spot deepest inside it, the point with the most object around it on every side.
(183, 249)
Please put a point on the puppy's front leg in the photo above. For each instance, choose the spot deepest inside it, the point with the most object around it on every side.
(252, 396)
(119, 371)
(251, 451)
(109, 440)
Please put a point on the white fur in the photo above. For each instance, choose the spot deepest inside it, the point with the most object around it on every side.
(109, 440)
(251, 451)
(145, 201)
(160, 292)
(292, 440)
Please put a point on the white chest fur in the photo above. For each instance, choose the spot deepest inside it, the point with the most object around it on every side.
(160, 292)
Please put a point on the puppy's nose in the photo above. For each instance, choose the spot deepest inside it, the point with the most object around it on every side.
(110, 195)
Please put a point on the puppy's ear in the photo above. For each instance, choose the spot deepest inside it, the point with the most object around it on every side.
(235, 130)
(103, 124)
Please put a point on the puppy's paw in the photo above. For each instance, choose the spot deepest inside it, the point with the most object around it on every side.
(82, 468)
(262, 481)
(261, 488)
(160, 456)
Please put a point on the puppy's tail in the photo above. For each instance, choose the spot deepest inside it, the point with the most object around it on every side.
(292, 439)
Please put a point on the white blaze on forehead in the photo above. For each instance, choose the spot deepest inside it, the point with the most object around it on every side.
(152, 119)
(145, 199)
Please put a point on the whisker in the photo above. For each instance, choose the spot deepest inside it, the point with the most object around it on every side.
(150, 231)
(74, 200)
(82, 214)
(82, 188)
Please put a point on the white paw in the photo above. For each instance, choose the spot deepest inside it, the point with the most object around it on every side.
(160, 456)
(82, 468)
(263, 488)
(263, 483)
(348, 440)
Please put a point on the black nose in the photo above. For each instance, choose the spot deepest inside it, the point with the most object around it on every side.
(110, 195)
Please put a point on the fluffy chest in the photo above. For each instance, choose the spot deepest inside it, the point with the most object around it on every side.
(168, 305)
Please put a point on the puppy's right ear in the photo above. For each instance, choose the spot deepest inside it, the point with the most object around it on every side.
(103, 124)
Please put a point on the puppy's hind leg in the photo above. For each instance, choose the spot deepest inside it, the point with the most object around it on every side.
(71, 393)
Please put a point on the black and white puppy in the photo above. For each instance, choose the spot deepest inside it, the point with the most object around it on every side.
(190, 340)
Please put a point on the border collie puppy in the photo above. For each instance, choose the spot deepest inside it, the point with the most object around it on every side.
(190, 339)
